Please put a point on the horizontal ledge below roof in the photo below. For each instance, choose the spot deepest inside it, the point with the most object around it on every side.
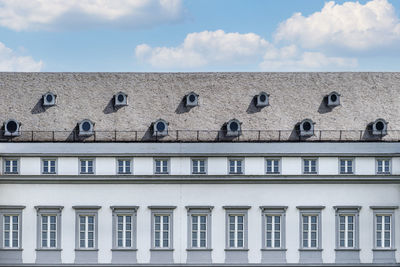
(202, 149)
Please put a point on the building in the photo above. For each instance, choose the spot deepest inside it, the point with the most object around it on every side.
(200, 168)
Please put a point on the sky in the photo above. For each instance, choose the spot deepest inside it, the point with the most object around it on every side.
(199, 35)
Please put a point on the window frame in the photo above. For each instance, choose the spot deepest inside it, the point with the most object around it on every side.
(273, 211)
(236, 211)
(86, 211)
(162, 211)
(199, 211)
(168, 166)
(125, 211)
(353, 166)
(11, 210)
(48, 211)
(303, 165)
(11, 159)
(80, 166)
(205, 166)
(384, 211)
(42, 166)
(390, 166)
(236, 159)
(279, 166)
(311, 211)
(347, 211)
(117, 166)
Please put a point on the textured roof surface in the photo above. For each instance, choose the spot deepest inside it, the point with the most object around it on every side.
(223, 96)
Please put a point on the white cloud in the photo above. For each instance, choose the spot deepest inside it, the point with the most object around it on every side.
(204, 49)
(52, 14)
(351, 25)
(220, 49)
(10, 61)
(289, 58)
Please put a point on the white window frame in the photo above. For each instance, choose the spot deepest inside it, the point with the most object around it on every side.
(164, 163)
(86, 231)
(11, 211)
(235, 212)
(124, 165)
(310, 165)
(12, 160)
(346, 166)
(48, 211)
(199, 211)
(236, 165)
(124, 211)
(384, 160)
(309, 211)
(198, 171)
(11, 231)
(162, 211)
(275, 162)
(86, 212)
(49, 160)
(274, 211)
(86, 160)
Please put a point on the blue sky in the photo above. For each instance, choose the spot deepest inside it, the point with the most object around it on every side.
(202, 35)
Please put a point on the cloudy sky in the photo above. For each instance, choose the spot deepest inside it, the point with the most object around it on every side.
(201, 35)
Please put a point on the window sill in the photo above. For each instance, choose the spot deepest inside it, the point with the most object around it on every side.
(307, 173)
(346, 173)
(161, 173)
(383, 173)
(273, 173)
(161, 249)
(48, 249)
(124, 173)
(86, 249)
(274, 249)
(236, 249)
(12, 173)
(11, 249)
(236, 173)
(48, 173)
(310, 249)
(384, 249)
(83, 173)
(195, 173)
(347, 249)
(199, 249)
(124, 249)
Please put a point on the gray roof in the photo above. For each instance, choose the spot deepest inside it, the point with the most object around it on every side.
(223, 96)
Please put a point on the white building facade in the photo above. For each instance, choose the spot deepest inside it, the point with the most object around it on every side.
(209, 193)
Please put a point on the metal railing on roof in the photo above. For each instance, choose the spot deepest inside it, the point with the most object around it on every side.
(201, 136)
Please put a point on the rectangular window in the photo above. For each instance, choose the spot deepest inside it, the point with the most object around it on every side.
(86, 231)
(49, 166)
(310, 166)
(49, 231)
(161, 231)
(346, 231)
(236, 231)
(272, 166)
(87, 166)
(199, 231)
(124, 231)
(273, 231)
(11, 231)
(346, 166)
(383, 166)
(383, 231)
(235, 166)
(310, 231)
(11, 166)
(198, 166)
(124, 166)
(161, 166)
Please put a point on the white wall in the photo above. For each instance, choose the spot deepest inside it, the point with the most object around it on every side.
(30, 165)
(143, 166)
(365, 165)
(68, 166)
(180, 166)
(217, 165)
(217, 195)
(328, 165)
(106, 166)
(254, 165)
(291, 165)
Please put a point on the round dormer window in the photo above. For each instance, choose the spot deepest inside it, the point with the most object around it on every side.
(12, 126)
(160, 126)
(234, 126)
(192, 98)
(49, 98)
(306, 126)
(86, 126)
(380, 126)
(120, 98)
(263, 97)
(334, 97)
